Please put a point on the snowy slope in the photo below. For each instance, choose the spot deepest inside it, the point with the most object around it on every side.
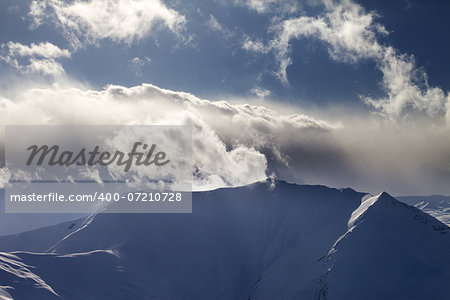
(390, 251)
(252, 242)
(437, 206)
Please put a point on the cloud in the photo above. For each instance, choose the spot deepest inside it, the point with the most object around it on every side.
(236, 144)
(254, 45)
(45, 50)
(349, 32)
(351, 35)
(270, 6)
(4, 177)
(260, 92)
(136, 64)
(408, 92)
(222, 155)
(39, 58)
(216, 26)
(88, 22)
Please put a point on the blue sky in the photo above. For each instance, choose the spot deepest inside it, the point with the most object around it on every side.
(348, 93)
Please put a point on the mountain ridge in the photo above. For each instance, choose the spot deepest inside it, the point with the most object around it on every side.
(268, 240)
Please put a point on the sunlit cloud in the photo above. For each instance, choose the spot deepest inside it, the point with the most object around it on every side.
(35, 58)
(89, 22)
(236, 144)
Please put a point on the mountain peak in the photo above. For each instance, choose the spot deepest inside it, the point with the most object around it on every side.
(385, 206)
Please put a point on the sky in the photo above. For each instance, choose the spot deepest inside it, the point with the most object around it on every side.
(341, 93)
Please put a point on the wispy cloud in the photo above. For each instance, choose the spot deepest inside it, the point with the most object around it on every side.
(39, 58)
(271, 6)
(352, 35)
(255, 45)
(216, 26)
(136, 64)
(260, 92)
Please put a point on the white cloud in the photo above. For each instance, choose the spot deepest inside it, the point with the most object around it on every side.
(260, 92)
(40, 58)
(254, 45)
(351, 34)
(408, 92)
(349, 31)
(119, 20)
(45, 50)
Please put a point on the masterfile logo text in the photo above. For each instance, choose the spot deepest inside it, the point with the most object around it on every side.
(88, 168)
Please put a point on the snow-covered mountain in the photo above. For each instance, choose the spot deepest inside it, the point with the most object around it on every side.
(437, 206)
(256, 242)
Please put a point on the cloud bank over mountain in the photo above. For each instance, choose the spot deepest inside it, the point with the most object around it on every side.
(236, 144)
